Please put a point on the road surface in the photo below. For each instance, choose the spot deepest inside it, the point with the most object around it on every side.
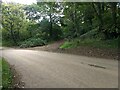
(40, 69)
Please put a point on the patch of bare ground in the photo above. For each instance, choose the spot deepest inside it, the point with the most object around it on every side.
(81, 50)
(16, 83)
(50, 47)
(92, 52)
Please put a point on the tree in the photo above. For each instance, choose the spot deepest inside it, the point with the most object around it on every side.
(98, 10)
(12, 21)
(52, 12)
(33, 12)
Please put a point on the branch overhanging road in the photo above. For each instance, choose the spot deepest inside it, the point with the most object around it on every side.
(40, 69)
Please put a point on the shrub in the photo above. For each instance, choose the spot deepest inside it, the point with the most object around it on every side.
(32, 42)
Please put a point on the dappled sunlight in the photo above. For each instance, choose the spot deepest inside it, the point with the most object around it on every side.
(61, 44)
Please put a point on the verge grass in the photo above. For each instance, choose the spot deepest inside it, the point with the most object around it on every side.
(109, 44)
(6, 74)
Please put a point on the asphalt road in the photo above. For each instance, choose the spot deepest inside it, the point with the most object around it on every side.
(40, 69)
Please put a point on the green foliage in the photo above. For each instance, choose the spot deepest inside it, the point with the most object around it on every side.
(13, 22)
(50, 21)
(31, 11)
(88, 16)
(68, 45)
(6, 74)
(7, 43)
(32, 42)
(92, 43)
(90, 34)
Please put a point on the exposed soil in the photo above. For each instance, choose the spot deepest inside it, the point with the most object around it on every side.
(16, 83)
(81, 50)
(92, 52)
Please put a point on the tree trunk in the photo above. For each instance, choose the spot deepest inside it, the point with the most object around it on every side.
(51, 24)
(12, 34)
(75, 19)
(51, 36)
(99, 15)
(114, 12)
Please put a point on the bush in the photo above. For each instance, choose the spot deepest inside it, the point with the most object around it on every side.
(32, 42)
(89, 34)
(7, 43)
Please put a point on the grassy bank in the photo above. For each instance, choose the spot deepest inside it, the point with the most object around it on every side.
(109, 44)
(6, 74)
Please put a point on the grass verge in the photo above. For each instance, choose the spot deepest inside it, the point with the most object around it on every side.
(109, 44)
(6, 74)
